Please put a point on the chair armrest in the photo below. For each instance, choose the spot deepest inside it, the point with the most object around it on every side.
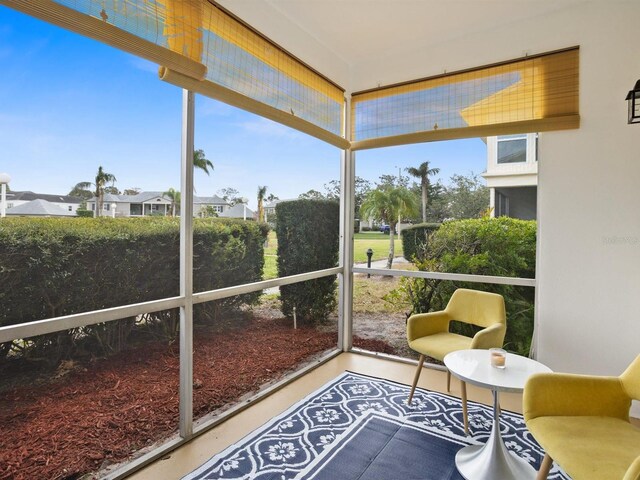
(563, 394)
(423, 324)
(633, 473)
(490, 337)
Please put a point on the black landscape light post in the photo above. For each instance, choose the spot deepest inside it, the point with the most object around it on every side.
(369, 255)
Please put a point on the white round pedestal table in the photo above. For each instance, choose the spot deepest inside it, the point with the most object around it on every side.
(492, 461)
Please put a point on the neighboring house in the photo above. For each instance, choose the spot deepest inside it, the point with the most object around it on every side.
(270, 209)
(151, 203)
(239, 210)
(512, 175)
(65, 202)
(39, 208)
(218, 204)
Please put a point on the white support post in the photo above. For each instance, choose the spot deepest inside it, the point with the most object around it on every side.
(345, 285)
(186, 265)
(3, 201)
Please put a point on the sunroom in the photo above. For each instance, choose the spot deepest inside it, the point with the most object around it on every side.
(362, 75)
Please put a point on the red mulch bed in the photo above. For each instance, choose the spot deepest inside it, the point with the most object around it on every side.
(103, 412)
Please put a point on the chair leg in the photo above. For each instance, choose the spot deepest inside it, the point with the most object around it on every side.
(465, 415)
(547, 463)
(448, 381)
(415, 379)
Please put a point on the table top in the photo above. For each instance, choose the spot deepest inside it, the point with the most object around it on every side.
(474, 367)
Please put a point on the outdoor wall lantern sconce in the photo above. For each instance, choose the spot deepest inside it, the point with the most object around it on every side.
(633, 97)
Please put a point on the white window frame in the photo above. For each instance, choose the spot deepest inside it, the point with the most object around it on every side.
(531, 152)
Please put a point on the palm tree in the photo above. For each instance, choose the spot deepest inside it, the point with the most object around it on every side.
(174, 196)
(262, 191)
(423, 172)
(388, 204)
(200, 161)
(102, 178)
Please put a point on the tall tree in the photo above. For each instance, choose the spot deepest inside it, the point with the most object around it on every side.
(200, 161)
(271, 197)
(173, 195)
(312, 195)
(230, 195)
(388, 204)
(262, 191)
(466, 196)
(423, 172)
(131, 191)
(362, 187)
(101, 181)
(393, 181)
(82, 190)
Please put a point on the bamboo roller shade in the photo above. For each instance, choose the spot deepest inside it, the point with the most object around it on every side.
(528, 95)
(201, 41)
(202, 47)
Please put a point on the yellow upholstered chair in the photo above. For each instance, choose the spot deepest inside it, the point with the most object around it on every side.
(582, 422)
(428, 333)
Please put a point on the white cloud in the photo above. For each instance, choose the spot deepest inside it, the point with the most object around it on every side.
(268, 128)
(144, 65)
(206, 107)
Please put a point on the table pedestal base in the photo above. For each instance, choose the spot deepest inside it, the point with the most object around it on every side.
(492, 461)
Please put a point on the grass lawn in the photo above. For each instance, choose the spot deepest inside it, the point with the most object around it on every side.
(270, 267)
(376, 241)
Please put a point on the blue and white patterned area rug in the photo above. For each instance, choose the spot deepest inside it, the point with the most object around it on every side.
(360, 427)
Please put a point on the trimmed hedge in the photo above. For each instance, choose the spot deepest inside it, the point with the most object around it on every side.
(415, 240)
(489, 246)
(84, 213)
(58, 266)
(308, 234)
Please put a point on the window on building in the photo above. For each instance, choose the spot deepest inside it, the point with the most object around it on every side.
(106, 206)
(512, 149)
(70, 208)
(218, 208)
(10, 205)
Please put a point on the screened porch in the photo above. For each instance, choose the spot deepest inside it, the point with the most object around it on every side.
(364, 76)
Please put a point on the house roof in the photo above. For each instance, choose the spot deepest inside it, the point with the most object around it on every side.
(137, 198)
(210, 200)
(39, 208)
(237, 211)
(28, 195)
(146, 196)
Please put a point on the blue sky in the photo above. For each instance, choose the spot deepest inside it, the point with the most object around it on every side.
(69, 104)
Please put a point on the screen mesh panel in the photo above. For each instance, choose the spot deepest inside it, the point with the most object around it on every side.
(243, 61)
(200, 40)
(539, 93)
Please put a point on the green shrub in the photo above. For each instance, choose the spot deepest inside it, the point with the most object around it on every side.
(60, 266)
(415, 240)
(308, 233)
(83, 213)
(489, 246)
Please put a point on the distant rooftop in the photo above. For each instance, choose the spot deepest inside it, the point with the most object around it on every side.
(28, 196)
(39, 208)
(146, 196)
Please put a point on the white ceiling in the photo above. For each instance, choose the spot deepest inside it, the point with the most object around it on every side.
(335, 36)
